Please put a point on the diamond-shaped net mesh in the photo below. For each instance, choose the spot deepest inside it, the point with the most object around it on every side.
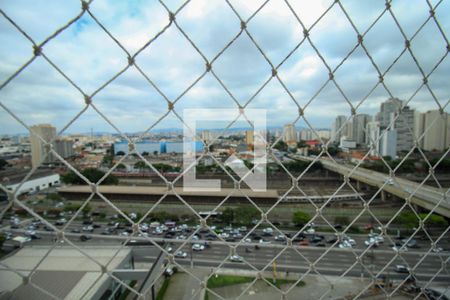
(342, 261)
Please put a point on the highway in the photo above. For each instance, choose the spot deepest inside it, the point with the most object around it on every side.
(425, 196)
(296, 259)
(335, 262)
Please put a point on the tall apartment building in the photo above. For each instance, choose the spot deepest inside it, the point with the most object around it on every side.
(323, 134)
(345, 131)
(64, 147)
(437, 131)
(387, 112)
(249, 137)
(419, 125)
(404, 123)
(359, 127)
(306, 134)
(47, 132)
(289, 133)
(372, 138)
(388, 145)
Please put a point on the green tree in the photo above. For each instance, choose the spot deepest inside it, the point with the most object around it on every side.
(280, 145)
(121, 167)
(300, 218)
(245, 214)
(92, 174)
(434, 220)
(155, 153)
(141, 165)
(120, 153)
(407, 219)
(333, 151)
(108, 160)
(145, 153)
(164, 167)
(228, 215)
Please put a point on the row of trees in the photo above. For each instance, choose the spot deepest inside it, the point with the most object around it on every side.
(92, 174)
(410, 220)
(242, 215)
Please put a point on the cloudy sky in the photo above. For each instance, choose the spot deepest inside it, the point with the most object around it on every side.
(89, 57)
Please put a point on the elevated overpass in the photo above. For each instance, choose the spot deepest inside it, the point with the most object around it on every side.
(424, 196)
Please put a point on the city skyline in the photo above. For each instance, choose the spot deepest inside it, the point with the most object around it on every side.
(90, 58)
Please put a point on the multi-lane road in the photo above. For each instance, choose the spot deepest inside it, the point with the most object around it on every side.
(328, 260)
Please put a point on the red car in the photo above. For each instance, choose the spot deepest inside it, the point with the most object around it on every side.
(304, 243)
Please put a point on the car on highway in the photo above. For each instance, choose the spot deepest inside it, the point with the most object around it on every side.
(181, 254)
(280, 238)
(371, 242)
(88, 228)
(198, 247)
(169, 271)
(61, 221)
(304, 243)
(401, 269)
(210, 236)
(268, 231)
(399, 249)
(85, 238)
(236, 258)
(264, 242)
(344, 245)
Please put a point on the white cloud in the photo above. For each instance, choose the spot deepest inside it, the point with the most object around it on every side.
(89, 57)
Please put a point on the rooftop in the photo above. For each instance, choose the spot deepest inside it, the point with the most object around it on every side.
(151, 190)
(65, 272)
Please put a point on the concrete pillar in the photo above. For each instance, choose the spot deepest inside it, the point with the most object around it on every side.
(358, 186)
(383, 196)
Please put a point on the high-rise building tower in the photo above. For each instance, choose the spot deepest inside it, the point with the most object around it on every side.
(404, 123)
(388, 110)
(373, 137)
(47, 132)
(437, 133)
(345, 131)
(64, 147)
(249, 137)
(359, 127)
(289, 133)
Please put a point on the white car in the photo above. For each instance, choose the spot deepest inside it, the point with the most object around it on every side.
(236, 258)
(268, 231)
(437, 249)
(247, 240)
(89, 228)
(264, 242)
(310, 230)
(181, 254)
(371, 241)
(345, 244)
(399, 249)
(198, 247)
(280, 238)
